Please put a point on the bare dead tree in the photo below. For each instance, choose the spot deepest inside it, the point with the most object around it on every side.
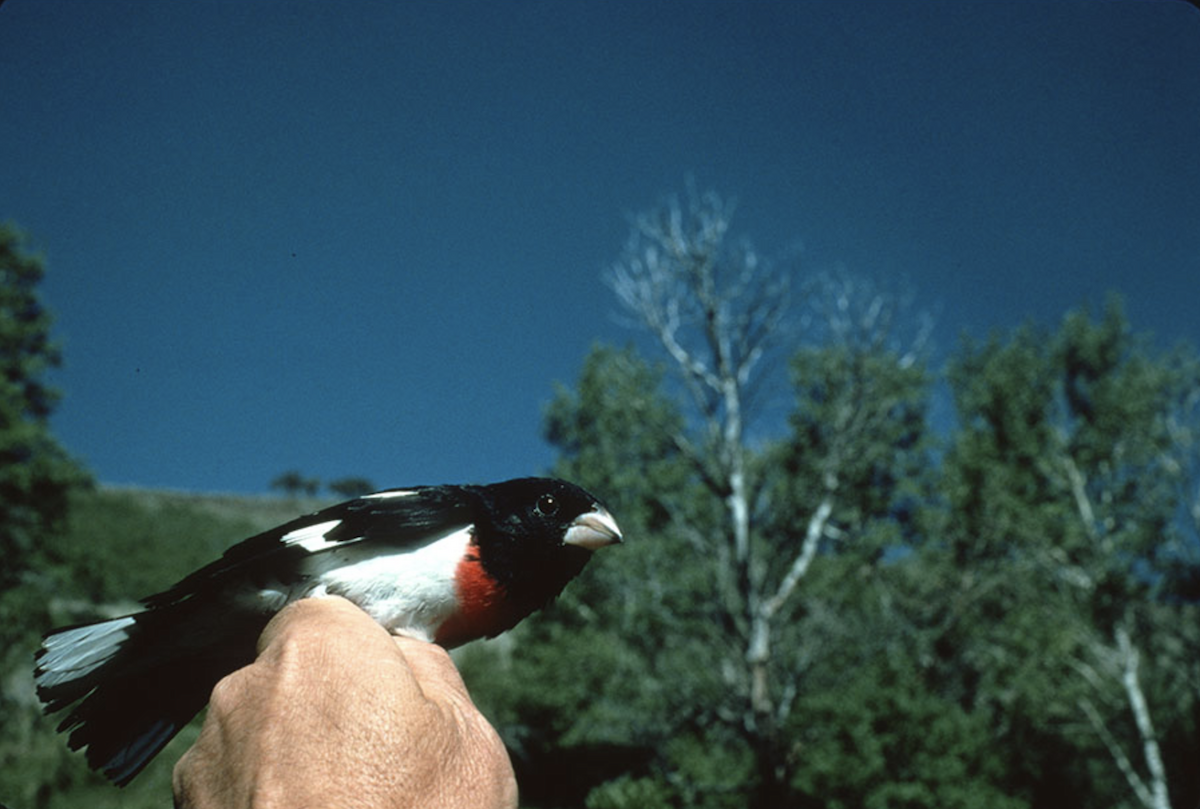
(723, 315)
(857, 313)
(717, 313)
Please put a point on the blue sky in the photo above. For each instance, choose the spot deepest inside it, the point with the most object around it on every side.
(366, 238)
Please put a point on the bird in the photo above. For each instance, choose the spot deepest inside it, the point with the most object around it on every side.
(446, 564)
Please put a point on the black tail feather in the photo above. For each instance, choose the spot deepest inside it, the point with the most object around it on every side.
(136, 681)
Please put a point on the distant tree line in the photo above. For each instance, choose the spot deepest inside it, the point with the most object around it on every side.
(294, 483)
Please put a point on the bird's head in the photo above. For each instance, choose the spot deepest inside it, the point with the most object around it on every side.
(541, 531)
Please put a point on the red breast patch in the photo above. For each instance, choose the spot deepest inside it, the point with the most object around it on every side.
(482, 607)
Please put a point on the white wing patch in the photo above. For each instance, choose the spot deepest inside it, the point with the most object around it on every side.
(312, 537)
(389, 494)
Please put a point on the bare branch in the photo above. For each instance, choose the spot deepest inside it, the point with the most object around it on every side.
(1144, 795)
(858, 314)
(808, 551)
(1141, 715)
(1122, 663)
(716, 313)
(1083, 504)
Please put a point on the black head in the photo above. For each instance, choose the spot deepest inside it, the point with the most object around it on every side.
(536, 534)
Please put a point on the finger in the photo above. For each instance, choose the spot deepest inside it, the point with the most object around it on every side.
(333, 636)
(321, 614)
(180, 781)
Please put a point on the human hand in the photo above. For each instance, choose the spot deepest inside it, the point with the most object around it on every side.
(337, 712)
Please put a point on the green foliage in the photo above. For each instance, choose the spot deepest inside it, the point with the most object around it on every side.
(996, 468)
(882, 739)
(628, 792)
(119, 546)
(35, 473)
(1060, 530)
(858, 428)
(36, 478)
(960, 612)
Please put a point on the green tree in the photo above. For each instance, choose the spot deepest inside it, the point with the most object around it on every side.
(880, 738)
(35, 473)
(293, 483)
(859, 437)
(351, 487)
(36, 477)
(860, 447)
(1062, 531)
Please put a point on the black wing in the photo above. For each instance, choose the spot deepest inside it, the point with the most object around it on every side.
(397, 518)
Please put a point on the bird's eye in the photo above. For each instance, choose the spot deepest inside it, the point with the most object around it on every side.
(547, 506)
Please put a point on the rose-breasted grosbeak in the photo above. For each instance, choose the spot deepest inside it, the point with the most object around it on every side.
(447, 564)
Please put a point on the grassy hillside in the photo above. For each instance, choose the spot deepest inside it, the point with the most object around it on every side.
(117, 545)
(259, 511)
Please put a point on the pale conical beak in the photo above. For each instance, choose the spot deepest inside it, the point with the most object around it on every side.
(593, 530)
